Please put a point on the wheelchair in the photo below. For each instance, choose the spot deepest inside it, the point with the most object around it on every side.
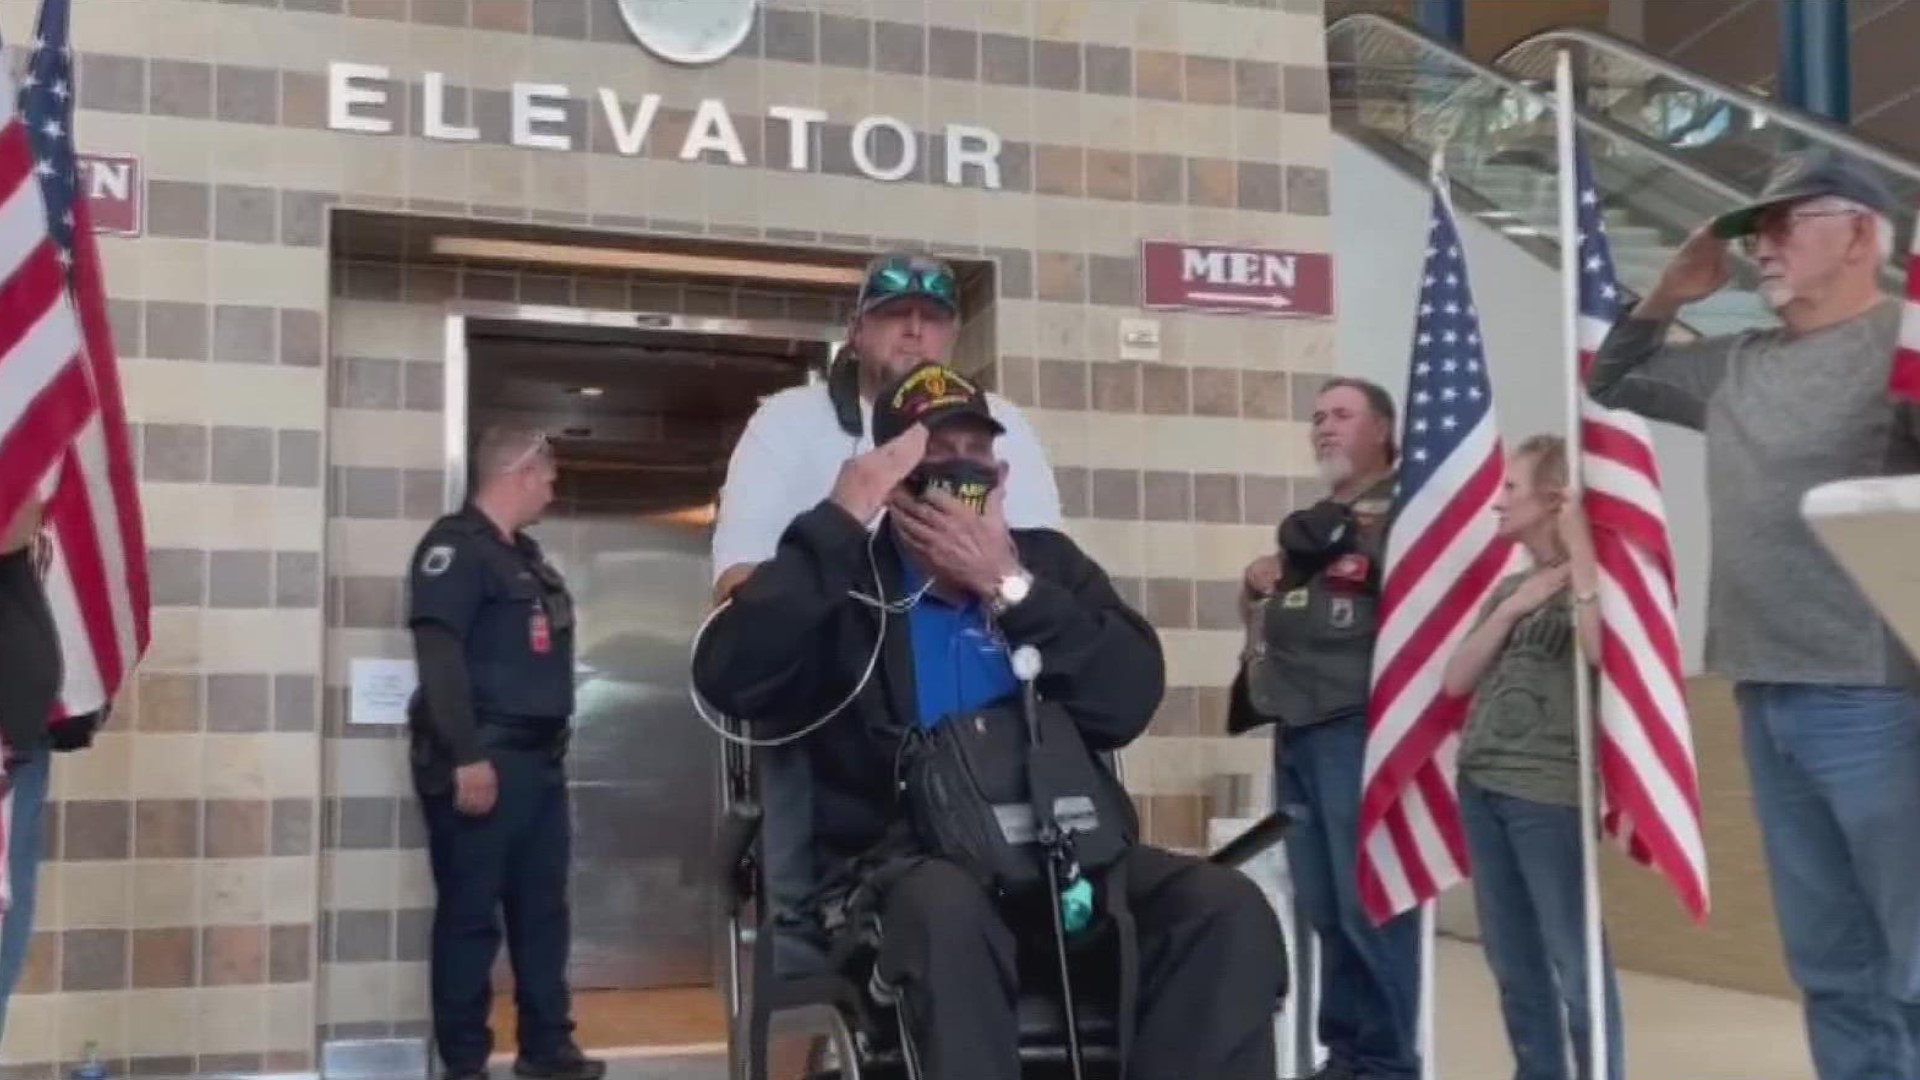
(764, 859)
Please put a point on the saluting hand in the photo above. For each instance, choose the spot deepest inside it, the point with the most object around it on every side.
(1698, 270)
(866, 481)
(476, 788)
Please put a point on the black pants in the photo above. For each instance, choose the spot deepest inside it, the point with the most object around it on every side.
(1211, 971)
(511, 862)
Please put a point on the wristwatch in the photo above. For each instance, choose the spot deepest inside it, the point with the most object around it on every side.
(1012, 589)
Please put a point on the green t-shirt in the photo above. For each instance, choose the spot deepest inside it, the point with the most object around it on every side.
(1520, 738)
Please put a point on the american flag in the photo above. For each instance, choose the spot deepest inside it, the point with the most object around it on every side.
(97, 580)
(1650, 792)
(1905, 381)
(1442, 561)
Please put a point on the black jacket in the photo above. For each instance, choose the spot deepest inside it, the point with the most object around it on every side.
(793, 644)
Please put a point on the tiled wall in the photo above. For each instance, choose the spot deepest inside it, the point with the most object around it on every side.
(187, 895)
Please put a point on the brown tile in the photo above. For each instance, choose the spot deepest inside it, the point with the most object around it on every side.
(1210, 182)
(360, 936)
(1217, 605)
(164, 958)
(370, 602)
(1056, 65)
(303, 100)
(289, 950)
(422, 494)
(123, 322)
(176, 331)
(1179, 822)
(1209, 80)
(413, 935)
(165, 1065)
(1109, 70)
(787, 35)
(1058, 170)
(112, 83)
(96, 829)
(1016, 166)
(166, 829)
(508, 16)
(1175, 716)
(1304, 390)
(1259, 186)
(242, 455)
(440, 12)
(845, 42)
(1157, 74)
(900, 48)
(1132, 591)
(1113, 281)
(301, 337)
(291, 827)
(93, 960)
(244, 214)
(1116, 494)
(175, 453)
(282, 1062)
(246, 95)
(1061, 276)
(41, 974)
(1075, 496)
(179, 88)
(1256, 84)
(243, 334)
(1216, 392)
(1006, 60)
(297, 464)
(1163, 390)
(953, 54)
(1168, 496)
(179, 209)
(1159, 178)
(546, 289)
(177, 577)
(1307, 191)
(230, 1064)
(1116, 387)
(303, 217)
(1267, 499)
(373, 494)
(169, 701)
(1169, 603)
(233, 955)
(1263, 395)
(1016, 272)
(236, 828)
(1063, 384)
(1305, 89)
(395, 10)
(1110, 174)
(296, 579)
(1216, 498)
(1210, 709)
(239, 579)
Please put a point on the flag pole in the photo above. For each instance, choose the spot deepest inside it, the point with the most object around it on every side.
(1424, 1032)
(1583, 699)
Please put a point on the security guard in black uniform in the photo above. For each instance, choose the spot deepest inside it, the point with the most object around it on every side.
(493, 636)
(1313, 609)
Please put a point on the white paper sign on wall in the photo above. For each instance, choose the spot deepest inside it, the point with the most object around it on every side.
(1140, 340)
(381, 688)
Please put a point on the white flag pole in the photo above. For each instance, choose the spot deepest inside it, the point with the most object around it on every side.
(1583, 700)
(1424, 1032)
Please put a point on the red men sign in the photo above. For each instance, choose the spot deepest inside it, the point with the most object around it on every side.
(113, 187)
(1257, 281)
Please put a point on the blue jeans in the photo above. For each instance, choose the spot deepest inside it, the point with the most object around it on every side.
(1836, 785)
(23, 869)
(1369, 976)
(1528, 887)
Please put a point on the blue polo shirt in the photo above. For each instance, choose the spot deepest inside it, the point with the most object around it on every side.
(958, 661)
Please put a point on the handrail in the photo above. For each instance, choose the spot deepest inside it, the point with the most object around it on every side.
(1776, 112)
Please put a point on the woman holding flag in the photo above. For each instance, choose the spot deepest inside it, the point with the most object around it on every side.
(1519, 779)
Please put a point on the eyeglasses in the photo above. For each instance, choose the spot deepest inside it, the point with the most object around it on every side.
(909, 276)
(541, 444)
(1777, 225)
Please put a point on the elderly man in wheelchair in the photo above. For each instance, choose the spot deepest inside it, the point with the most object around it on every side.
(969, 841)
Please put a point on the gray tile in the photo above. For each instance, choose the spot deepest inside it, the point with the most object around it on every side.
(1216, 498)
(244, 214)
(475, 285)
(1159, 178)
(247, 95)
(1016, 166)
(546, 289)
(179, 88)
(453, 13)
(1113, 280)
(296, 579)
(177, 577)
(293, 703)
(1109, 70)
(94, 960)
(301, 337)
(96, 829)
(560, 18)
(362, 936)
(1168, 496)
(1016, 272)
(297, 464)
(423, 386)
(413, 935)
(900, 48)
(422, 494)
(1256, 84)
(112, 83)
(290, 827)
(605, 24)
(1307, 190)
(374, 281)
(123, 322)
(1056, 65)
(367, 384)
(845, 42)
(372, 494)
(1006, 60)
(303, 217)
(1075, 496)
(365, 823)
(242, 455)
(1305, 89)
(243, 335)
(1266, 499)
(239, 579)
(179, 209)
(1259, 186)
(787, 35)
(174, 453)
(953, 54)
(238, 703)
(412, 832)
(1116, 494)
(370, 603)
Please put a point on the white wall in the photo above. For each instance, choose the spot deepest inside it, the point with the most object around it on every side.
(1379, 232)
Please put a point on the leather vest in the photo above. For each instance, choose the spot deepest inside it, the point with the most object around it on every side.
(1310, 647)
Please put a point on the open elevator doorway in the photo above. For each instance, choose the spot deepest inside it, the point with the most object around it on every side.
(643, 411)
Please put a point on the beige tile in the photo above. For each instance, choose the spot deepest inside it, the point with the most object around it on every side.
(162, 1022)
(293, 890)
(360, 880)
(175, 642)
(413, 880)
(359, 993)
(105, 771)
(1115, 545)
(290, 1016)
(167, 766)
(49, 902)
(247, 641)
(499, 176)
(83, 1018)
(412, 992)
(368, 767)
(380, 439)
(292, 764)
(96, 895)
(1156, 25)
(168, 891)
(235, 766)
(31, 1035)
(174, 270)
(233, 891)
(232, 1020)
(382, 330)
(375, 166)
(1221, 552)
(271, 276)
(165, 391)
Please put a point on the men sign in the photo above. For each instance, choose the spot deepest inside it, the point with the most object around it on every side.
(112, 186)
(1211, 277)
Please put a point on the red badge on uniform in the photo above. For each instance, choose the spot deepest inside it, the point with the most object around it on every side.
(1349, 571)
(540, 633)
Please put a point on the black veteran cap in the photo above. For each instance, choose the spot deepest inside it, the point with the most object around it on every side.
(931, 394)
(1811, 174)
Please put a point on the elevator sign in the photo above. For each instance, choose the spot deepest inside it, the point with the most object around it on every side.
(1256, 281)
(113, 187)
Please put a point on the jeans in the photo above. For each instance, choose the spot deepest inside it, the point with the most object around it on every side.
(1528, 887)
(1836, 786)
(1369, 976)
(23, 869)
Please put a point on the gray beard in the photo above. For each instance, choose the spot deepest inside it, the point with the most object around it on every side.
(1775, 295)
(1335, 469)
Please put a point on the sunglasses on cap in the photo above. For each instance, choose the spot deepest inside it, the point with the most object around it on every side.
(905, 275)
(538, 446)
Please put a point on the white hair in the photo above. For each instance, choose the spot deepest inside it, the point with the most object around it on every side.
(1882, 224)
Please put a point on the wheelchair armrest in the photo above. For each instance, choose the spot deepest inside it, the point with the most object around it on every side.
(733, 846)
(1259, 836)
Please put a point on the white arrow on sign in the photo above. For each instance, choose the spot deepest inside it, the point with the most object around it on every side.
(1238, 298)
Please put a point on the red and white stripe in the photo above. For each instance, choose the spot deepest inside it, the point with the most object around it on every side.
(1905, 379)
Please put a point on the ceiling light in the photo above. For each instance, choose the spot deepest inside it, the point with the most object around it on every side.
(587, 391)
(528, 252)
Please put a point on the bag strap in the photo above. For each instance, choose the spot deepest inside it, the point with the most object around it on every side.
(1127, 939)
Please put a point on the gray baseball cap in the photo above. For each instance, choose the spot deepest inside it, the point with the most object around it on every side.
(1811, 174)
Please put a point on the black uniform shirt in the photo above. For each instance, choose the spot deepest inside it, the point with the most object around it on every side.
(508, 606)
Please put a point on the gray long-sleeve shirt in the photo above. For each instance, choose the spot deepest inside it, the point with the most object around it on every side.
(1781, 415)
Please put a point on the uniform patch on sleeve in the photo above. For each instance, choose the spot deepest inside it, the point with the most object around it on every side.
(436, 560)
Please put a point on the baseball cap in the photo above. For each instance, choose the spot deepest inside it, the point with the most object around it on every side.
(1811, 174)
(931, 394)
(898, 275)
